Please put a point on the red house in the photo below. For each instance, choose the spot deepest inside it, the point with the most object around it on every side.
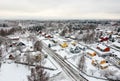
(103, 39)
(103, 48)
(48, 36)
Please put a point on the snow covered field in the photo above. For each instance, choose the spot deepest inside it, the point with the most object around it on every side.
(13, 72)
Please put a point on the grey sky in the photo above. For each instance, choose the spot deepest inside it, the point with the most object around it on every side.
(64, 9)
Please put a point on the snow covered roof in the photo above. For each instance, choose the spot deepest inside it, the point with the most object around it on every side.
(81, 46)
(116, 44)
(20, 44)
(72, 36)
(105, 64)
(99, 59)
(35, 53)
(90, 51)
(101, 30)
(102, 46)
(14, 37)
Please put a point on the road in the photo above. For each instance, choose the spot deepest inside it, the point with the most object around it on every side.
(69, 70)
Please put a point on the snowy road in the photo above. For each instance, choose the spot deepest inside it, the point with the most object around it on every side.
(70, 71)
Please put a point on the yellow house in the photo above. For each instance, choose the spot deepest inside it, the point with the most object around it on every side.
(91, 53)
(100, 62)
(64, 45)
(103, 64)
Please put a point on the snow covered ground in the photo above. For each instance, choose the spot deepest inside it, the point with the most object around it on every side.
(10, 71)
(73, 59)
(13, 72)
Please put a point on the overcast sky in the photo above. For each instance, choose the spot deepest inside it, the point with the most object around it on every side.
(60, 9)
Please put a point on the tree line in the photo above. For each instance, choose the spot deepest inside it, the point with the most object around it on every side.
(3, 25)
(35, 28)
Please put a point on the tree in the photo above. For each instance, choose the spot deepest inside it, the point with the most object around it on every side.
(29, 58)
(38, 46)
(85, 38)
(110, 36)
(81, 63)
(113, 40)
(118, 30)
(101, 33)
(0, 52)
(5, 25)
(11, 31)
(38, 74)
(81, 32)
(63, 33)
(2, 32)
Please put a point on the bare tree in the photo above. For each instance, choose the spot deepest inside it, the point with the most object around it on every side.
(85, 38)
(38, 74)
(29, 58)
(0, 52)
(89, 37)
(81, 63)
(38, 46)
(63, 32)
